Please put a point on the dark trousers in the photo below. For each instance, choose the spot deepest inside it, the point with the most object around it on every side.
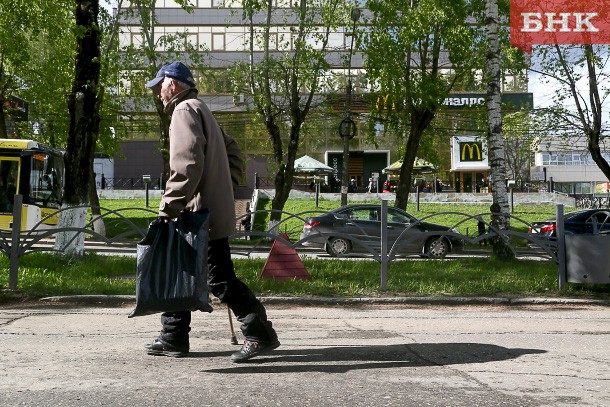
(224, 284)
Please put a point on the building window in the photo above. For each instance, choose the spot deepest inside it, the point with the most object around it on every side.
(191, 39)
(574, 187)
(379, 129)
(570, 158)
(218, 42)
(235, 40)
(136, 40)
(167, 4)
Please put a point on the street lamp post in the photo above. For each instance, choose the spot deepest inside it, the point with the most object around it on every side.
(347, 128)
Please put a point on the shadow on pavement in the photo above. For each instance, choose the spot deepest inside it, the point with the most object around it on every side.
(342, 359)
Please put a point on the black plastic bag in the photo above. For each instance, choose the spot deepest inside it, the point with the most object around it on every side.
(172, 267)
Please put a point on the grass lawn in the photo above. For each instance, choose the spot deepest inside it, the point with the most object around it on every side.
(48, 275)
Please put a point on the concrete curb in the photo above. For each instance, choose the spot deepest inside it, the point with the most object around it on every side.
(118, 300)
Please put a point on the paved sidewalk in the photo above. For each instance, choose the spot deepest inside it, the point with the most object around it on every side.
(356, 354)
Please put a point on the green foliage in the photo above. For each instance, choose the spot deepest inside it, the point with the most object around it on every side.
(139, 62)
(404, 45)
(299, 59)
(415, 54)
(37, 57)
(518, 144)
(289, 61)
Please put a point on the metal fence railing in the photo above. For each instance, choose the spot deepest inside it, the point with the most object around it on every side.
(592, 201)
(127, 230)
(385, 250)
(130, 183)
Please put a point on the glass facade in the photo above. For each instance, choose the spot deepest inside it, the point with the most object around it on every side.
(570, 158)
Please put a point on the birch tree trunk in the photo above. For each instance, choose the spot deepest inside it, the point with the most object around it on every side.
(500, 209)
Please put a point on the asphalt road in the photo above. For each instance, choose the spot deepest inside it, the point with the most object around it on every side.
(352, 354)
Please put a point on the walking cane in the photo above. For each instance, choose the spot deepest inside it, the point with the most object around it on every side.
(233, 337)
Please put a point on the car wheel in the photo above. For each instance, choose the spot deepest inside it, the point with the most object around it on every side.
(338, 246)
(437, 248)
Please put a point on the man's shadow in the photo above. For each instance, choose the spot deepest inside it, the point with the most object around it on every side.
(341, 359)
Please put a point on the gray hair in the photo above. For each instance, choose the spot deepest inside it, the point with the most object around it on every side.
(183, 85)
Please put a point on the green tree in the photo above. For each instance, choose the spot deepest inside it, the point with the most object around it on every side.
(415, 54)
(52, 56)
(30, 65)
(519, 129)
(141, 62)
(285, 73)
(580, 78)
(15, 23)
(45, 71)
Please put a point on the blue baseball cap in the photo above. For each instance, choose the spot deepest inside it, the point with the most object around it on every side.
(175, 70)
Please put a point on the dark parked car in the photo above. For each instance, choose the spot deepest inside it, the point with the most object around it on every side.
(577, 222)
(343, 230)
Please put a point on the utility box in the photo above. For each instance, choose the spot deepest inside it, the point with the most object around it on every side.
(587, 258)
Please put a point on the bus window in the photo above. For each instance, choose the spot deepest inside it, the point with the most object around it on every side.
(9, 173)
(45, 186)
(55, 171)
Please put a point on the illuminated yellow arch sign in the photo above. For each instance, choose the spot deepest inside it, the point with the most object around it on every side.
(384, 102)
(471, 151)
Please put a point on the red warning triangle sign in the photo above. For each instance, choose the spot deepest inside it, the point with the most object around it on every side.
(284, 263)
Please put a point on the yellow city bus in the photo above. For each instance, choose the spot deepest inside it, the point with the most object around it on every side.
(36, 172)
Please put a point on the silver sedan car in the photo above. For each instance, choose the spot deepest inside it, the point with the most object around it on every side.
(357, 228)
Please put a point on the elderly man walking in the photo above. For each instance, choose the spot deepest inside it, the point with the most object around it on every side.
(200, 178)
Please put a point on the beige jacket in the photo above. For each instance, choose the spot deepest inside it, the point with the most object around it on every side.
(199, 167)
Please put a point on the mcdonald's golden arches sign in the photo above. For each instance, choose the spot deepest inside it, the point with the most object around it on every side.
(471, 151)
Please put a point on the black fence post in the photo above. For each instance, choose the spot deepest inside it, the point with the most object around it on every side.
(384, 244)
(561, 247)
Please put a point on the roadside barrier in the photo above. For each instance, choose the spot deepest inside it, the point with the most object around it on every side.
(16, 243)
(128, 229)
